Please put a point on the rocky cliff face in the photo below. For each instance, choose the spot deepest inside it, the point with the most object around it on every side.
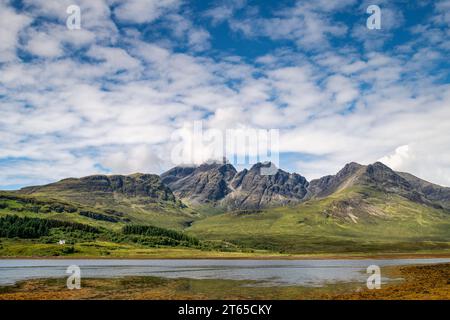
(430, 191)
(251, 189)
(320, 188)
(208, 183)
(221, 184)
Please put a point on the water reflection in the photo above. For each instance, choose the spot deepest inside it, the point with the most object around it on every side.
(270, 272)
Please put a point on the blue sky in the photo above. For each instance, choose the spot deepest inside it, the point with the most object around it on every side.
(107, 98)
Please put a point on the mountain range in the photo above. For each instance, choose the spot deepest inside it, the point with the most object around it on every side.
(367, 207)
(222, 185)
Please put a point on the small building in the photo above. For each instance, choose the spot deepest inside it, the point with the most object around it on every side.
(62, 242)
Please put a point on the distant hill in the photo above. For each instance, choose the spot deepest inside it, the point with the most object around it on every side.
(94, 188)
(139, 198)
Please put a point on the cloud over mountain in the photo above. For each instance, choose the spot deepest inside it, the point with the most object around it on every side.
(107, 97)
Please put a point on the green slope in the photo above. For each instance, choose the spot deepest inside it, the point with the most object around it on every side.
(106, 210)
(356, 219)
(96, 230)
(137, 198)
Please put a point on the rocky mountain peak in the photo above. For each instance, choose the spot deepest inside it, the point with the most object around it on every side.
(349, 168)
(380, 175)
(254, 190)
(259, 165)
(202, 184)
(329, 184)
(222, 185)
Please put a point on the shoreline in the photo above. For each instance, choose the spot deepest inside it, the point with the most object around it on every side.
(334, 256)
(418, 282)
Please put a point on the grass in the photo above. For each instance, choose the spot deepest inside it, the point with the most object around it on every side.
(132, 210)
(11, 248)
(317, 226)
(21, 248)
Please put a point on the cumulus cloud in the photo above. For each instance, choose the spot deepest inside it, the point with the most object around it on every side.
(143, 11)
(196, 38)
(399, 158)
(307, 26)
(11, 23)
(134, 158)
(106, 98)
(224, 11)
(43, 45)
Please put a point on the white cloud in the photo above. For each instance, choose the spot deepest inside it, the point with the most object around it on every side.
(342, 89)
(43, 45)
(442, 9)
(135, 158)
(143, 11)
(224, 11)
(306, 25)
(219, 14)
(399, 158)
(196, 38)
(116, 102)
(418, 159)
(11, 23)
(114, 59)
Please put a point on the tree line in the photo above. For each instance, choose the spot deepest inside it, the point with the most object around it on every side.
(153, 231)
(12, 226)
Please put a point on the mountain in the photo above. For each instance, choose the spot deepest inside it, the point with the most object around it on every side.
(379, 177)
(92, 189)
(432, 192)
(207, 183)
(362, 208)
(220, 184)
(376, 175)
(139, 198)
(329, 184)
(251, 189)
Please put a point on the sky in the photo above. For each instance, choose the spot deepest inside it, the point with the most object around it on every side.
(108, 97)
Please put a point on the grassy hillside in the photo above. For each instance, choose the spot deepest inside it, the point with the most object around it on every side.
(356, 219)
(25, 236)
(32, 225)
(109, 211)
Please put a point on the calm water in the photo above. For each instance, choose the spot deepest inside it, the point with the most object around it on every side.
(270, 272)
